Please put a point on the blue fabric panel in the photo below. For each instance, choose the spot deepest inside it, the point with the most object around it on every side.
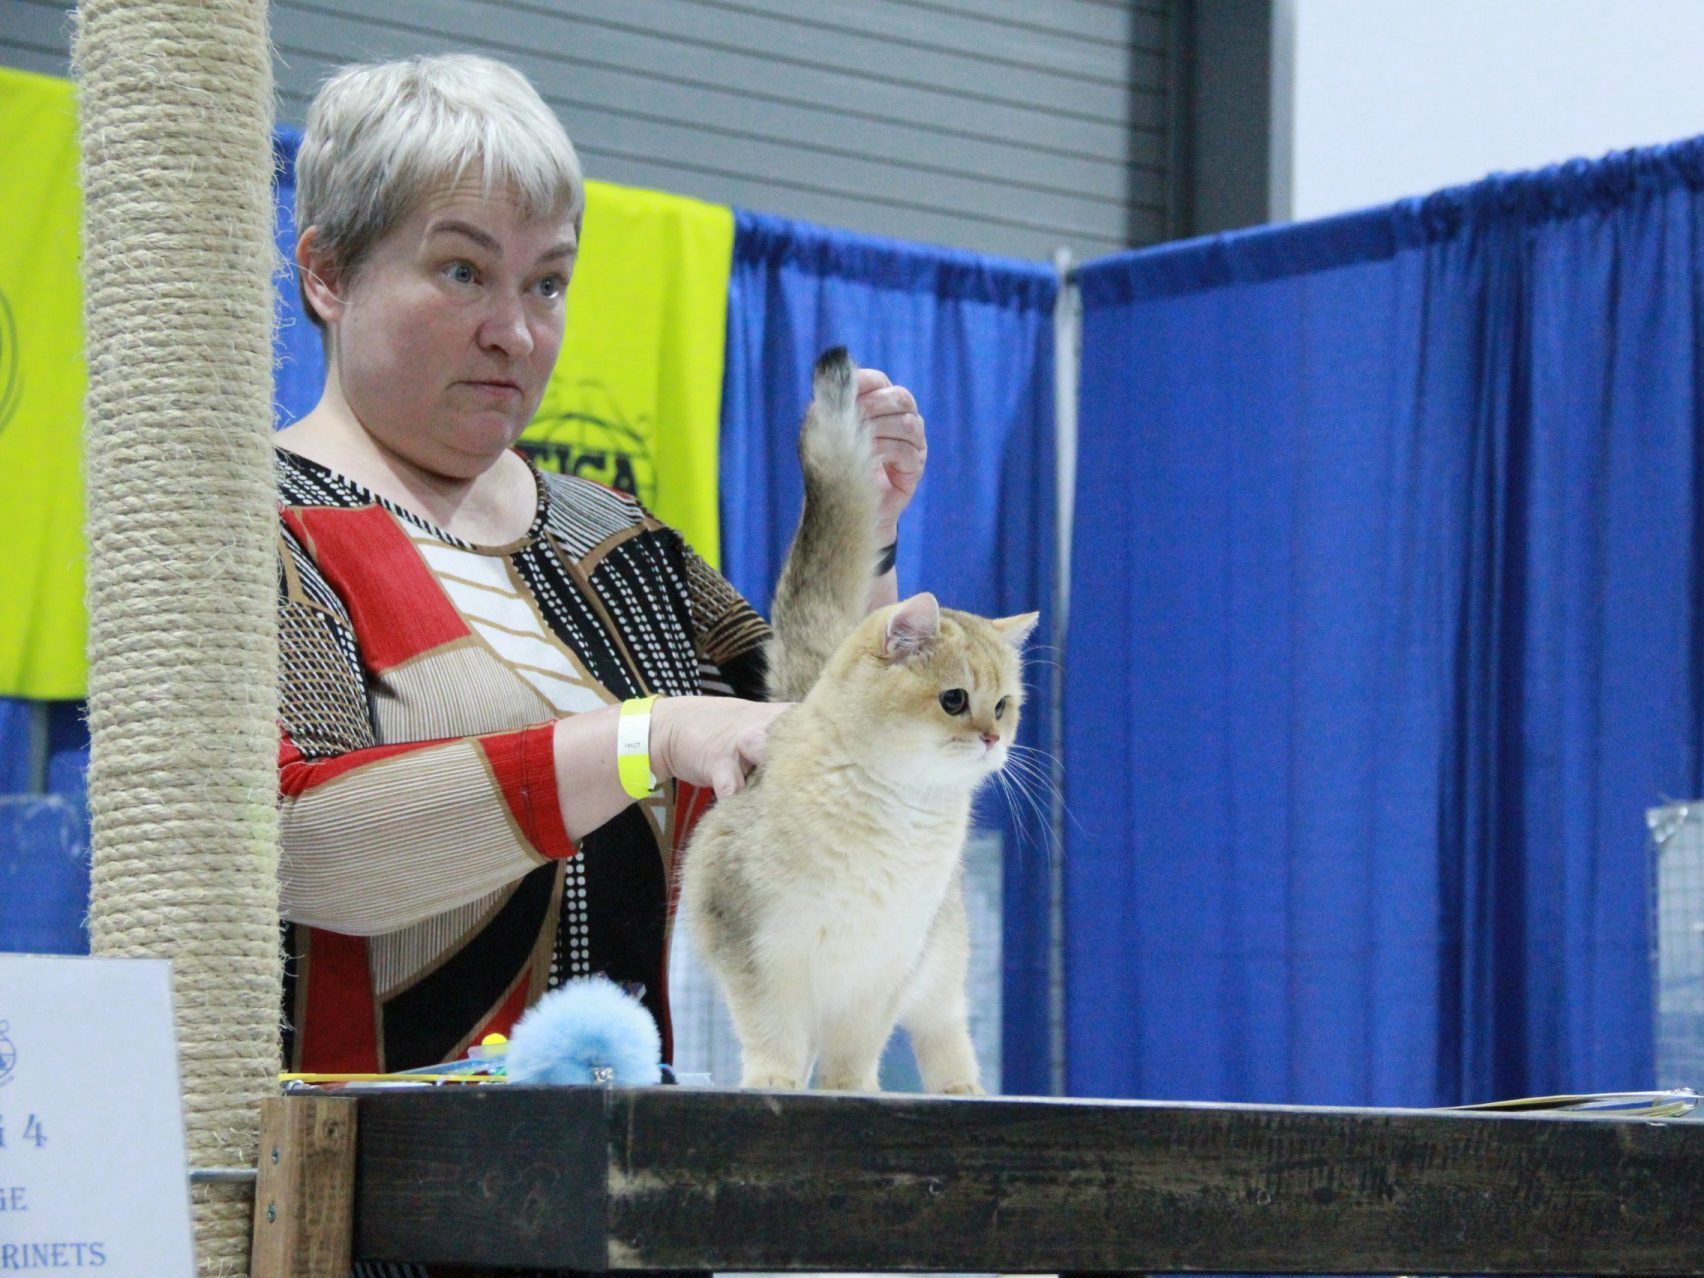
(972, 337)
(299, 373)
(19, 745)
(1385, 598)
(44, 876)
(68, 753)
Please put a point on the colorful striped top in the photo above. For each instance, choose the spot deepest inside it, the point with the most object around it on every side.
(429, 890)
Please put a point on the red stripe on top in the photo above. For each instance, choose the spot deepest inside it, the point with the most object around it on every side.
(339, 1030)
(524, 764)
(691, 803)
(397, 606)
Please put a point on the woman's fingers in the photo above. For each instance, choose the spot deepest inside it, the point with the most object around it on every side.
(714, 741)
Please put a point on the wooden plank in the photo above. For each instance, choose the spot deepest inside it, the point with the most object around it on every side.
(23, 57)
(685, 1178)
(979, 36)
(676, 36)
(891, 179)
(33, 31)
(728, 118)
(1076, 19)
(557, 50)
(305, 1191)
(512, 1176)
(799, 38)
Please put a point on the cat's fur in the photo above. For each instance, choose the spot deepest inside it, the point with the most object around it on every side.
(827, 895)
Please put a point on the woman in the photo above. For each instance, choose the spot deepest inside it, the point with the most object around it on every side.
(469, 646)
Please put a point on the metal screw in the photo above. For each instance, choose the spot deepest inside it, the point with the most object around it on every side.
(275, 1155)
(271, 1212)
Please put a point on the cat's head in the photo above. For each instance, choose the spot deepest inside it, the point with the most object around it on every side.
(933, 692)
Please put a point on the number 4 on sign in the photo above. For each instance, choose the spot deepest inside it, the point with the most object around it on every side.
(33, 1131)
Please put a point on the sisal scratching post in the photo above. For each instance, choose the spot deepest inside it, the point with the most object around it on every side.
(176, 110)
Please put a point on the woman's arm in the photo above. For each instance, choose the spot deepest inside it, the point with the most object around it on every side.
(379, 836)
(375, 839)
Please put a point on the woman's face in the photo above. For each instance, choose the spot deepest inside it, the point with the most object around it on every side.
(449, 330)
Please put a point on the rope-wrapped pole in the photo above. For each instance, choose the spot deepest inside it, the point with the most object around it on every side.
(176, 110)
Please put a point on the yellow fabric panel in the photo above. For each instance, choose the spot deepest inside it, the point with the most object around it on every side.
(636, 398)
(42, 382)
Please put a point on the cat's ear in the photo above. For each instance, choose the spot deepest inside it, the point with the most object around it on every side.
(912, 626)
(1014, 630)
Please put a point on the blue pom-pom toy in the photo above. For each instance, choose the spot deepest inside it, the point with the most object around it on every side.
(588, 1030)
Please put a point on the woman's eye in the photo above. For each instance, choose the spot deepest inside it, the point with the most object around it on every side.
(1000, 707)
(461, 272)
(553, 286)
(955, 700)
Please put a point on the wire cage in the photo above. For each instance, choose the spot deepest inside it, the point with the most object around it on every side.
(1677, 843)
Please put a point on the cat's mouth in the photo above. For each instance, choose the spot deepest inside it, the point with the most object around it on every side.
(984, 750)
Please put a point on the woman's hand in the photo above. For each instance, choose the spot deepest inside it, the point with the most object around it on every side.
(900, 446)
(714, 741)
(710, 741)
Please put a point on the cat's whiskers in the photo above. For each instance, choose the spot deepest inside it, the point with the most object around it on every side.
(1040, 765)
(1032, 771)
(1025, 809)
(1050, 656)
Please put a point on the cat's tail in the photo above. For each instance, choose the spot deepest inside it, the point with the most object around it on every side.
(825, 584)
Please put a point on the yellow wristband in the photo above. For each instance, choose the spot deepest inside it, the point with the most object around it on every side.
(633, 747)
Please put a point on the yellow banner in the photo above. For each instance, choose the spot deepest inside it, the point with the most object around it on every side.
(636, 398)
(42, 380)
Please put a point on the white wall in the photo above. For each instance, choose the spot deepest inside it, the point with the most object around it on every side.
(1379, 99)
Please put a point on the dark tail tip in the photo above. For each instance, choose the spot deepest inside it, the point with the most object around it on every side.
(834, 362)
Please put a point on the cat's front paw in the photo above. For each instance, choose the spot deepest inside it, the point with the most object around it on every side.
(772, 1082)
(850, 1083)
(963, 1089)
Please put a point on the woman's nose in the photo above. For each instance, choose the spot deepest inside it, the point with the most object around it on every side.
(505, 328)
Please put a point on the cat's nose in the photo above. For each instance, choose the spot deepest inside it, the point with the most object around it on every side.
(990, 739)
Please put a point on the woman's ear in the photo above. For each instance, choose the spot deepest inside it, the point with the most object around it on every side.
(318, 278)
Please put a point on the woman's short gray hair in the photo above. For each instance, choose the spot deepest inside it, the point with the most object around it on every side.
(383, 136)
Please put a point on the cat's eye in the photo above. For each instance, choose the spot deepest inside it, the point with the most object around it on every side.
(1000, 707)
(955, 700)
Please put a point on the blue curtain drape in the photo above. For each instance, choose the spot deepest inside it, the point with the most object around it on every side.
(1385, 632)
(972, 337)
(18, 749)
(44, 826)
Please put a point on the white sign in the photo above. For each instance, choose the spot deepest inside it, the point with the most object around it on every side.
(92, 1172)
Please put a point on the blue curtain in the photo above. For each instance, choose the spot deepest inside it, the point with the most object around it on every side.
(1385, 632)
(972, 337)
(44, 827)
(18, 748)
